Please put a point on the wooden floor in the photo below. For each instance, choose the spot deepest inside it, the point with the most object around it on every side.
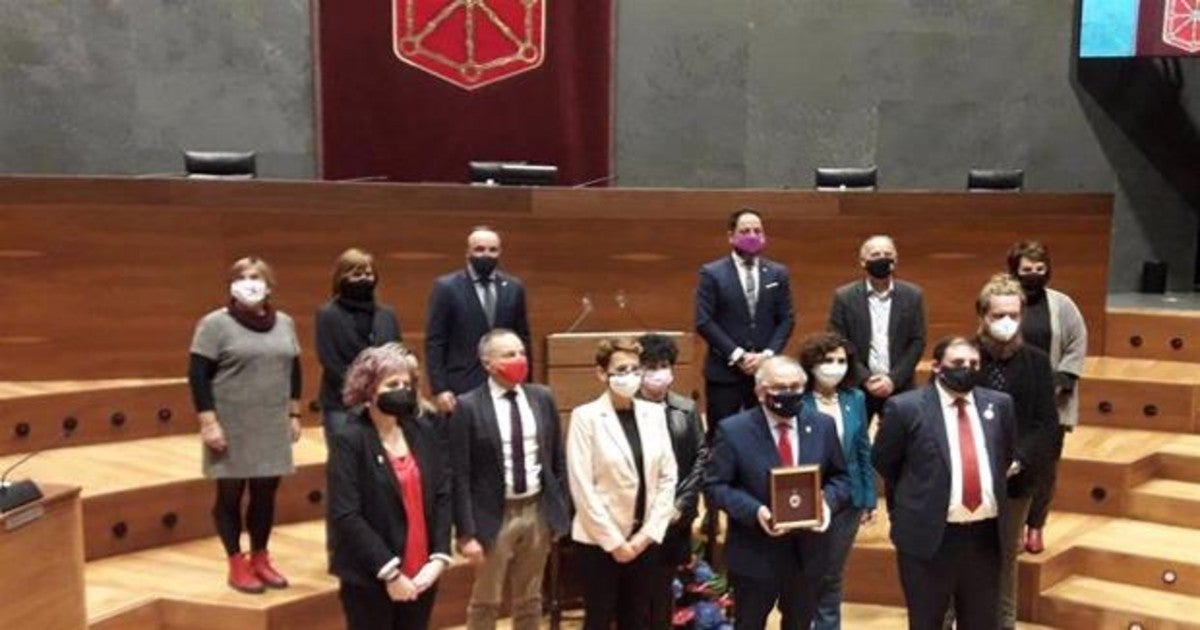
(26, 389)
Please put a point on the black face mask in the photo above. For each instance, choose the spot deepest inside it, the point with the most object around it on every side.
(880, 268)
(358, 290)
(1033, 282)
(401, 403)
(483, 266)
(959, 379)
(785, 404)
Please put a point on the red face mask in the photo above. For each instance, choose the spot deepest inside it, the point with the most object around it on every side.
(514, 370)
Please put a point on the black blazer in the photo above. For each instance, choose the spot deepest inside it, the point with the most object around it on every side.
(723, 318)
(455, 323)
(850, 316)
(366, 523)
(338, 344)
(479, 464)
(912, 454)
(1031, 385)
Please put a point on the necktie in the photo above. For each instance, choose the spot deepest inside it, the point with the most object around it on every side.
(751, 286)
(785, 445)
(972, 491)
(517, 437)
(489, 300)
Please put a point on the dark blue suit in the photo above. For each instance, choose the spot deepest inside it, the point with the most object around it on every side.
(766, 568)
(455, 323)
(723, 320)
(938, 560)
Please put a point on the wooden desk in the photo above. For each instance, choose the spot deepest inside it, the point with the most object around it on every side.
(41, 563)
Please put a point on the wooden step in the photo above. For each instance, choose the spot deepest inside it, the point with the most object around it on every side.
(182, 587)
(1085, 602)
(1180, 459)
(147, 493)
(1140, 394)
(1100, 465)
(36, 415)
(1143, 333)
(1149, 555)
(1166, 501)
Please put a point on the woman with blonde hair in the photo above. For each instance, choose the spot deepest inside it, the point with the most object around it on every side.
(245, 381)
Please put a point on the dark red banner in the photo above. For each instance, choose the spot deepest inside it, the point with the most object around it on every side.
(412, 90)
(1168, 28)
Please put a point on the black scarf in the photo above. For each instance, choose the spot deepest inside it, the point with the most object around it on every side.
(250, 319)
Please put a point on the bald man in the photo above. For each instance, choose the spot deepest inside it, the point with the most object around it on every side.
(884, 318)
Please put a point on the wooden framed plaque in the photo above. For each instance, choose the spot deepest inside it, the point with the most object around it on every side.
(796, 500)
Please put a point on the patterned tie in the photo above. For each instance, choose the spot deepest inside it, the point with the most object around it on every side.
(751, 286)
(785, 445)
(972, 490)
(489, 300)
(518, 443)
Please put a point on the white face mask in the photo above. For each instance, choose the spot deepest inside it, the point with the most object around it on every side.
(247, 291)
(657, 382)
(830, 374)
(625, 385)
(1004, 329)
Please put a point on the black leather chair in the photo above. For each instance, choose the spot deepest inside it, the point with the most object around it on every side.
(846, 178)
(995, 180)
(220, 164)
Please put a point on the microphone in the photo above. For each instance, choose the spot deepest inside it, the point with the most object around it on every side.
(625, 305)
(585, 308)
(14, 494)
(598, 180)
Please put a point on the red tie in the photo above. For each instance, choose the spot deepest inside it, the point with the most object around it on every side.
(972, 493)
(785, 445)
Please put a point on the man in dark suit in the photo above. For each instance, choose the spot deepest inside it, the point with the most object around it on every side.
(884, 319)
(510, 496)
(744, 313)
(769, 566)
(462, 307)
(944, 452)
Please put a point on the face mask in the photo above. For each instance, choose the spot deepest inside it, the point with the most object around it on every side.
(1003, 329)
(958, 379)
(1032, 282)
(358, 290)
(880, 268)
(655, 383)
(248, 292)
(749, 244)
(514, 370)
(830, 374)
(401, 403)
(625, 385)
(784, 404)
(483, 266)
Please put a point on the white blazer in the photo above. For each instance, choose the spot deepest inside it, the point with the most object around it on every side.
(603, 476)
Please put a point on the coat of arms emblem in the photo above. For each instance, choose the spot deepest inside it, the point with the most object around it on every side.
(1181, 24)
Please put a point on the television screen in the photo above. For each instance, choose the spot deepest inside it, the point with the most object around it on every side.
(1139, 28)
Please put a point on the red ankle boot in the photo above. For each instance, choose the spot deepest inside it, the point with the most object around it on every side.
(260, 563)
(1033, 541)
(241, 576)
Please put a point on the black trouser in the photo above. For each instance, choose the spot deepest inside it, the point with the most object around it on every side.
(726, 399)
(791, 590)
(368, 607)
(874, 406)
(624, 593)
(966, 567)
(675, 551)
(1043, 493)
(260, 513)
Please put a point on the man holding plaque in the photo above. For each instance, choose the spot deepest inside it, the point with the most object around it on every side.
(943, 451)
(778, 472)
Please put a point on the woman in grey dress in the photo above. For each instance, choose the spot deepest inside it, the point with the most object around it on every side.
(245, 381)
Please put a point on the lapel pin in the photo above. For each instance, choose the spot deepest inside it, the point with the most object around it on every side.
(988, 413)
(379, 459)
(808, 429)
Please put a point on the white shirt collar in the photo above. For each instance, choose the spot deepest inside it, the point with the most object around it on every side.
(885, 293)
(774, 420)
(739, 261)
(947, 398)
(498, 391)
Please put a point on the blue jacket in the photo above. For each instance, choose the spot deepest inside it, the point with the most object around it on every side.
(723, 317)
(737, 480)
(856, 445)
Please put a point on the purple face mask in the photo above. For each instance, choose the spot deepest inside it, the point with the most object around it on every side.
(749, 243)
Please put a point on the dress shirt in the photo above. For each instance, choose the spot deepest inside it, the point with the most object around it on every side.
(832, 409)
(880, 305)
(955, 512)
(533, 469)
(793, 435)
(739, 265)
(481, 289)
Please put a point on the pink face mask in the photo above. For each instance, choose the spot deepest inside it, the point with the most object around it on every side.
(749, 243)
(655, 383)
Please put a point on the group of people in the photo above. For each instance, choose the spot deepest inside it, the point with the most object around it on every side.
(485, 457)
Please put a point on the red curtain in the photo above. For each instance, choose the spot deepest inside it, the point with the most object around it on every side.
(380, 117)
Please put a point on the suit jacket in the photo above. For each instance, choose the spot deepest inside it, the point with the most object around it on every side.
(691, 454)
(856, 445)
(738, 481)
(338, 345)
(723, 317)
(479, 464)
(366, 525)
(1031, 386)
(604, 478)
(850, 316)
(455, 322)
(912, 454)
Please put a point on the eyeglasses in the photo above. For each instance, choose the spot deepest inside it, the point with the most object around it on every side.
(624, 370)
